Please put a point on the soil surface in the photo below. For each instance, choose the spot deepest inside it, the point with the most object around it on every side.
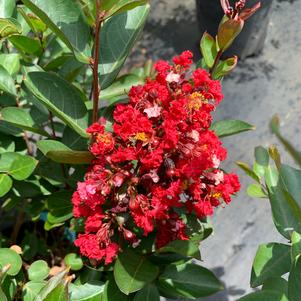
(259, 88)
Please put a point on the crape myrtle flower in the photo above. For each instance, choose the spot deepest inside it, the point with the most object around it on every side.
(161, 158)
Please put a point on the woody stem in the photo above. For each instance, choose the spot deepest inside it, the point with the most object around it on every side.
(95, 61)
(216, 61)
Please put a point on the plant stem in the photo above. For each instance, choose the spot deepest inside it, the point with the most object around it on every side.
(95, 61)
(216, 61)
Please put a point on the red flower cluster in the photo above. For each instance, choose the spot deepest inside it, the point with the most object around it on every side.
(160, 159)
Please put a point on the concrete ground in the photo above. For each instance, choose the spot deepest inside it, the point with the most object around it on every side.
(259, 88)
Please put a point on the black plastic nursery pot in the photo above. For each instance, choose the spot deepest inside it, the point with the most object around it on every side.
(251, 40)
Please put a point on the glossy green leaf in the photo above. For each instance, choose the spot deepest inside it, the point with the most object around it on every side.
(264, 296)
(60, 293)
(20, 167)
(61, 98)
(208, 49)
(2, 295)
(7, 8)
(183, 247)
(229, 127)
(11, 258)
(291, 179)
(275, 128)
(7, 84)
(125, 28)
(38, 270)
(277, 285)
(247, 169)
(9, 286)
(8, 27)
(271, 260)
(296, 244)
(11, 62)
(112, 292)
(121, 86)
(132, 272)
(31, 290)
(255, 191)
(60, 153)
(71, 30)
(148, 293)
(261, 156)
(113, 7)
(6, 184)
(26, 44)
(198, 230)
(188, 280)
(294, 280)
(90, 291)
(59, 206)
(36, 24)
(225, 67)
(73, 261)
(22, 119)
(285, 217)
(53, 289)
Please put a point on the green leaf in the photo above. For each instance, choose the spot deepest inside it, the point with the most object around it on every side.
(59, 206)
(7, 84)
(26, 44)
(61, 153)
(208, 49)
(8, 27)
(291, 178)
(20, 167)
(7, 8)
(11, 258)
(113, 52)
(61, 98)
(225, 67)
(73, 261)
(148, 293)
(38, 270)
(255, 191)
(182, 247)
(198, 230)
(90, 291)
(275, 128)
(73, 140)
(2, 295)
(36, 24)
(22, 119)
(285, 217)
(229, 127)
(31, 290)
(6, 184)
(71, 30)
(277, 285)
(60, 293)
(262, 156)
(296, 245)
(271, 260)
(247, 169)
(112, 292)
(113, 7)
(121, 86)
(11, 62)
(188, 280)
(132, 272)
(264, 296)
(49, 292)
(294, 280)
(9, 286)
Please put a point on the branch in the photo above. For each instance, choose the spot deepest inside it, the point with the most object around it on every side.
(95, 60)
